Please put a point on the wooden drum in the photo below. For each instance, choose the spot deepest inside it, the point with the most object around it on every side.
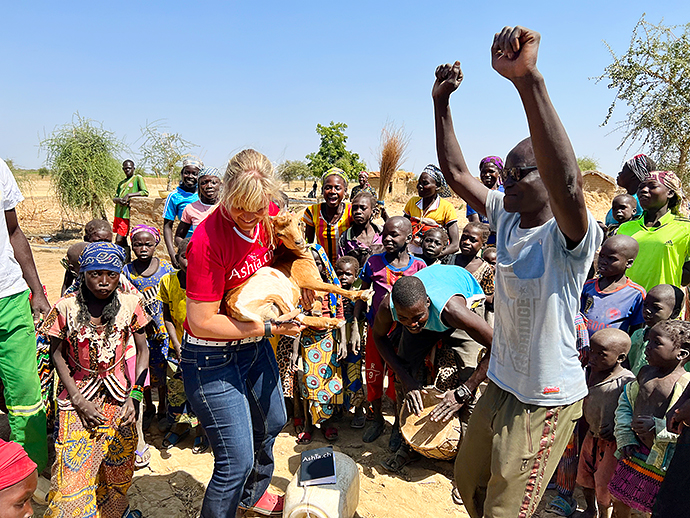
(436, 440)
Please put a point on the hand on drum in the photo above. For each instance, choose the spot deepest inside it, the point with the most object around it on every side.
(446, 408)
(413, 400)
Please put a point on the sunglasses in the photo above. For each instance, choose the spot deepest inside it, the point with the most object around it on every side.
(516, 173)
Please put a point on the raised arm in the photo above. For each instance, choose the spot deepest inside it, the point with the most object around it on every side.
(450, 158)
(514, 56)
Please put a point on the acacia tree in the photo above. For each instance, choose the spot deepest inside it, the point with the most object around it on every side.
(84, 170)
(588, 163)
(162, 151)
(294, 170)
(332, 152)
(653, 78)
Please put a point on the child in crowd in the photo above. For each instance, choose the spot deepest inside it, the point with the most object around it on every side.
(489, 255)
(18, 481)
(472, 240)
(644, 445)
(380, 273)
(173, 294)
(613, 300)
(145, 273)
(95, 231)
(363, 237)
(623, 208)
(347, 269)
(663, 302)
(209, 182)
(434, 242)
(321, 384)
(606, 379)
(133, 185)
(89, 329)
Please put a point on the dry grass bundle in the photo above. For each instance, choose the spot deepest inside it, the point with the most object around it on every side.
(394, 142)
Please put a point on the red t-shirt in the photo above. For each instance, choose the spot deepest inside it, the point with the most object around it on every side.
(220, 257)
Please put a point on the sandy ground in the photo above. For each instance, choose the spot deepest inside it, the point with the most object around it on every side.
(173, 484)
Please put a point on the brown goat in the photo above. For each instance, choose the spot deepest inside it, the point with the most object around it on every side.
(275, 290)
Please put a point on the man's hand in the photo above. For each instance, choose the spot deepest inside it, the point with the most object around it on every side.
(448, 78)
(39, 306)
(446, 408)
(678, 416)
(413, 396)
(629, 450)
(514, 52)
(355, 340)
(606, 432)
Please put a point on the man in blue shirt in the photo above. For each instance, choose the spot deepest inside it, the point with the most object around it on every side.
(177, 200)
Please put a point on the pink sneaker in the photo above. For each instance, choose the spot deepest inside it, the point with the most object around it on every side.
(269, 505)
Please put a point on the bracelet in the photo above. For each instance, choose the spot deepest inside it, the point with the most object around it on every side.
(462, 394)
(136, 396)
(267, 329)
(138, 388)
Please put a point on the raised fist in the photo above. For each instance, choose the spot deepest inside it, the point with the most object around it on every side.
(448, 78)
(514, 52)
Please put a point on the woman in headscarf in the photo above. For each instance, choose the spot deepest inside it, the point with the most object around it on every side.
(18, 481)
(326, 221)
(663, 235)
(429, 209)
(364, 185)
(490, 168)
(209, 182)
(631, 174)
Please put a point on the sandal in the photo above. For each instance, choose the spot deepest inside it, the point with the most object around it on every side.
(134, 513)
(358, 421)
(142, 458)
(373, 431)
(399, 460)
(561, 506)
(304, 438)
(331, 434)
(455, 495)
(200, 444)
(173, 439)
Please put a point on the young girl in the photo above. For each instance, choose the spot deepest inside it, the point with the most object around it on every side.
(434, 242)
(321, 383)
(363, 238)
(89, 330)
(209, 182)
(645, 447)
(173, 295)
(146, 272)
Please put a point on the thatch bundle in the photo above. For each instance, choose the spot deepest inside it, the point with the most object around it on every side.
(394, 143)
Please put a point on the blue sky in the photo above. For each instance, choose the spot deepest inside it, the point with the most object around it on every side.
(230, 75)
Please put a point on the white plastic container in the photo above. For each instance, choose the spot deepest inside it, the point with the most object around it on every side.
(337, 500)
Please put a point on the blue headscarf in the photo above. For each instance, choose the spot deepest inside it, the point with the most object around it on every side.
(102, 256)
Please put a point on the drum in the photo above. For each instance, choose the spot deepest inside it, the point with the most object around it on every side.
(436, 440)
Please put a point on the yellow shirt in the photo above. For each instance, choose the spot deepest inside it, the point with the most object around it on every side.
(175, 297)
(441, 211)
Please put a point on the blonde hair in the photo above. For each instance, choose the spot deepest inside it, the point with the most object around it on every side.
(249, 184)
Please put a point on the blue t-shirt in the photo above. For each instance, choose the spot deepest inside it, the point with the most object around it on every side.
(621, 308)
(443, 281)
(609, 214)
(176, 202)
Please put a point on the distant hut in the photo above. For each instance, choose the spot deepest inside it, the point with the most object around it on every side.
(594, 181)
(397, 186)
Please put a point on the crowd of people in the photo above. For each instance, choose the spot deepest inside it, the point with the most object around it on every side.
(560, 342)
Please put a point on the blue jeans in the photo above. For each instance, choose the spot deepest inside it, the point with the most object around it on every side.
(237, 396)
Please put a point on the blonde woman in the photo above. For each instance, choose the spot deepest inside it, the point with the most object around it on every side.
(229, 369)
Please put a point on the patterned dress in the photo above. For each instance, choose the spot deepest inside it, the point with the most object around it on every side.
(157, 340)
(327, 234)
(93, 468)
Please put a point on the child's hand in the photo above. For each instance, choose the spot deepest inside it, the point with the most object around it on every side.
(355, 340)
(606, 432)
(643, 425)
(678, 416)
(128, 413)
(342, 350)
(629, 450)
(90, 415)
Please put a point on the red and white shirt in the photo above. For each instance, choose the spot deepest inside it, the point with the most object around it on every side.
(221, 257)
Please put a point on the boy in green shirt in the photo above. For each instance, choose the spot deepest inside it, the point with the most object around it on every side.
(133, 185)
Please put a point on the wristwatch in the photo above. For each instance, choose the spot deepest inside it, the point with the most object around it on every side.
(462, 394)
(267, 329)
